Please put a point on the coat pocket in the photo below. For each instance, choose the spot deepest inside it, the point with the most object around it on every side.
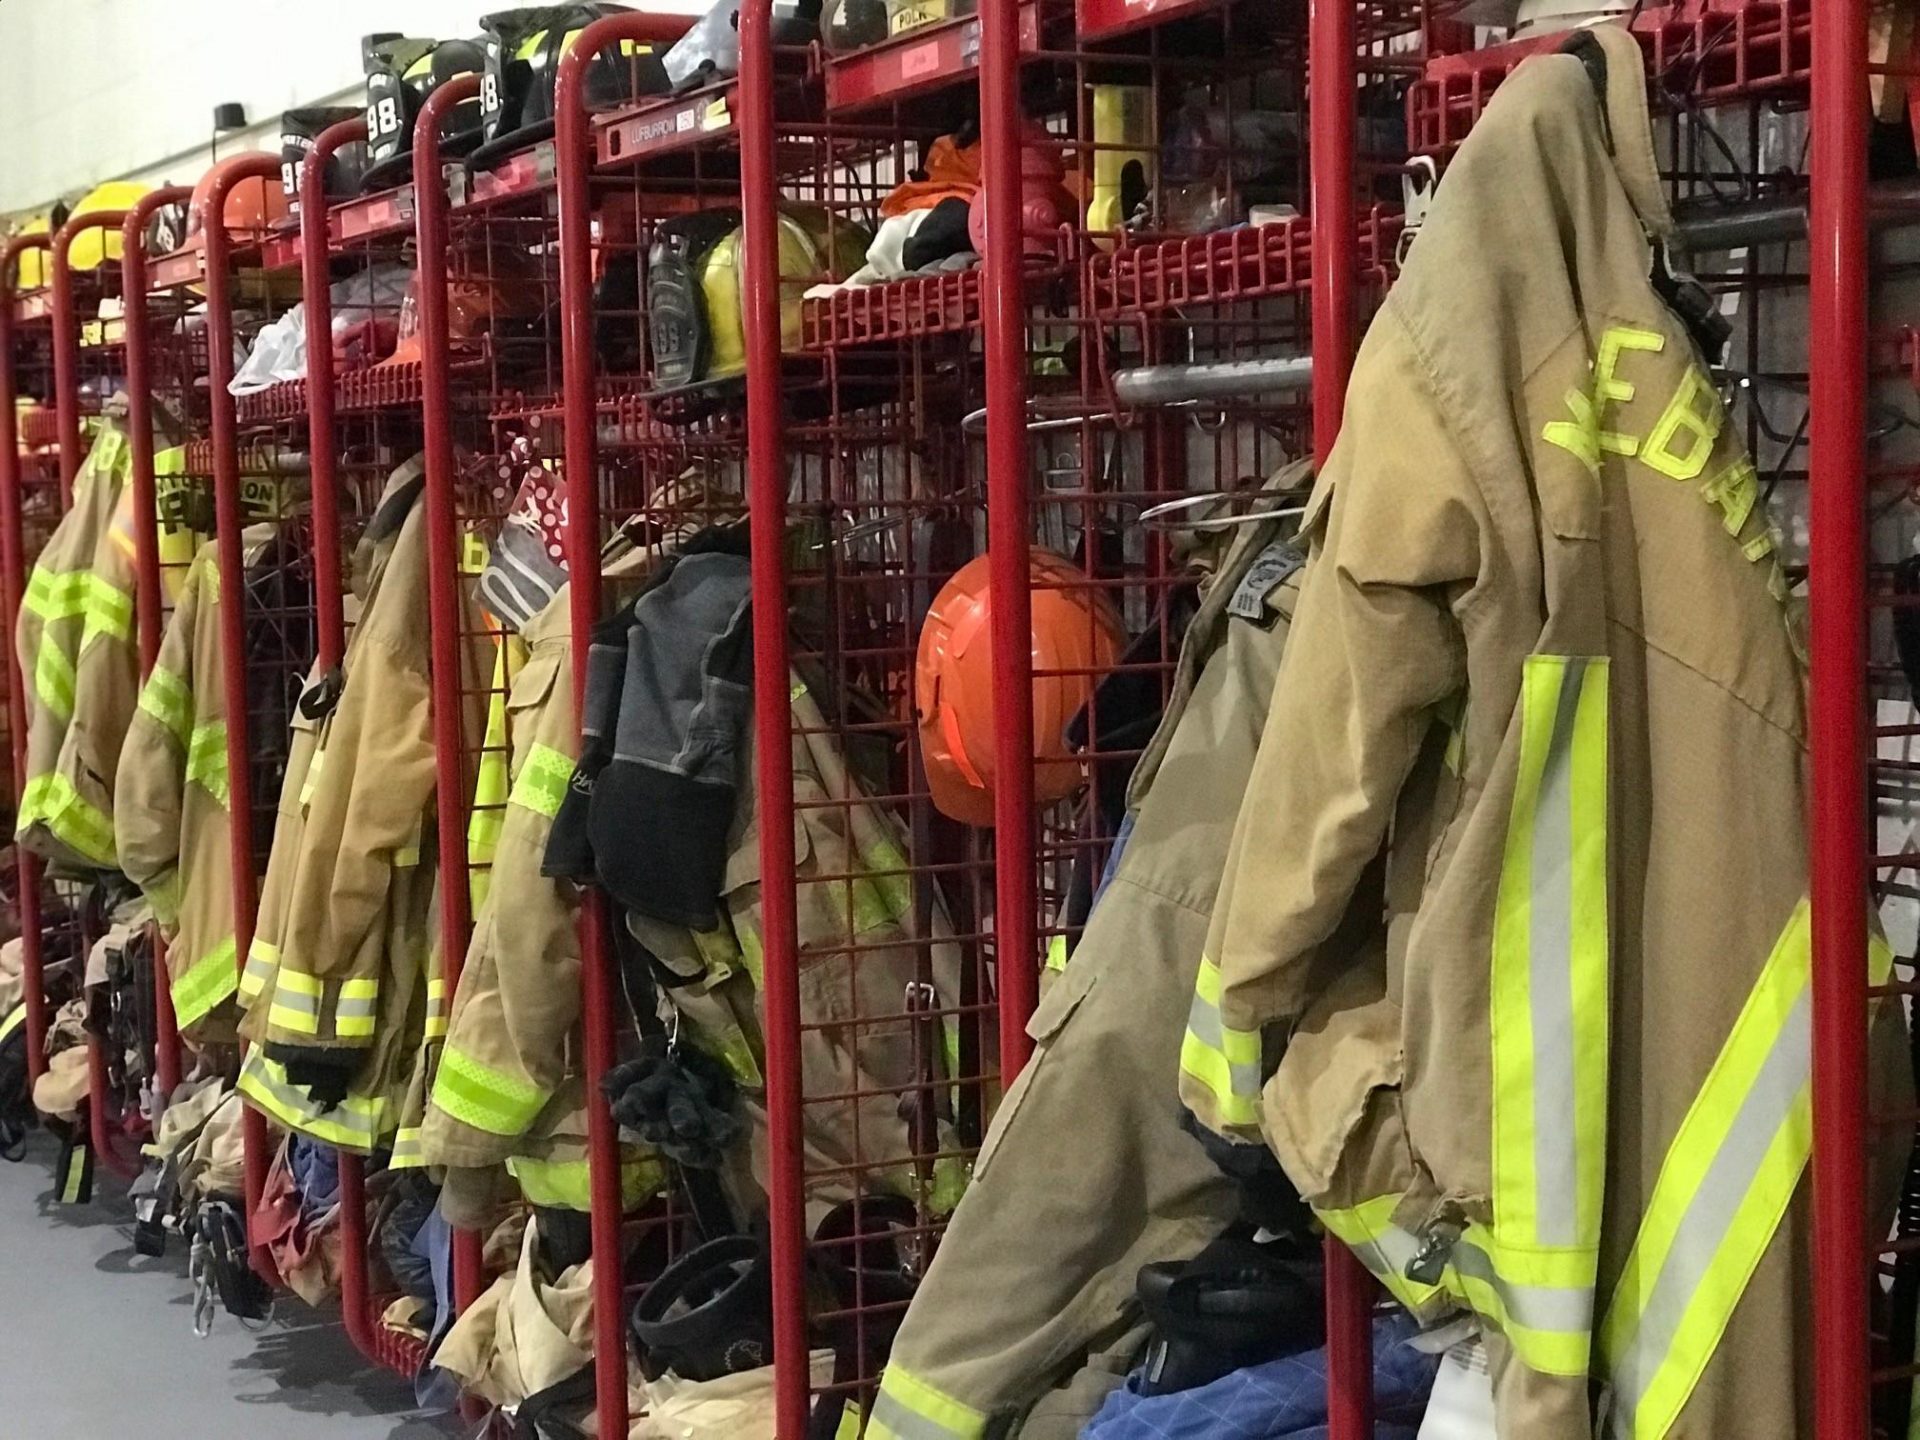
(1048, 1022)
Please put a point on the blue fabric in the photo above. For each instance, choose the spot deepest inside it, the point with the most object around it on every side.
(1281, 1400)
(316, 1175)
(435, 1389)
(1114, 852)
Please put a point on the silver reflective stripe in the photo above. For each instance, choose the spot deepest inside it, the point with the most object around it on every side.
(351, 1008)
(288, 999)
(1709, 1217)
(908, 1424)
(1204, 1021)
(1556, 1158)
(1567, 1311)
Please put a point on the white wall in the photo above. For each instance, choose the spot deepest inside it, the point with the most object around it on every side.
(99, 89)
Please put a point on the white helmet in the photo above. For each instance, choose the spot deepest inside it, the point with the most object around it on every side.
(1540, 17)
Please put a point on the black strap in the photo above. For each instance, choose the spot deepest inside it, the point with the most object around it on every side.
(538, 1417)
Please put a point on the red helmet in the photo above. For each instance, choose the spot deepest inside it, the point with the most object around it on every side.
(255, 205)
(1076, 636)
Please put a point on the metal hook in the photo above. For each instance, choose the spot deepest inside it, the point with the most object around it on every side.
(1156, 517)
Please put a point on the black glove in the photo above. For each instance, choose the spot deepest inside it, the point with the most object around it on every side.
(680, 1102)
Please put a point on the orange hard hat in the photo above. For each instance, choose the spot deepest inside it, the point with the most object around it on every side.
(255, 206)
(1076, 637)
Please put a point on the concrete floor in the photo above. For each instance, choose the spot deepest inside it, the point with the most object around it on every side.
(98, 1341)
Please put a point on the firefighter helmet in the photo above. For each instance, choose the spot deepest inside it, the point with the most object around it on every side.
(1075, 637)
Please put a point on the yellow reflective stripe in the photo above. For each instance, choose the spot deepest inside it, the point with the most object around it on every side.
(1725, 1184)
(493, 784)
(1548, 1016)
(208, 981)
(16, 1017)
(1384, 1248)
(476, 1094)
(296, 1003)
(568, 1184)
(542, 782)
(407, 1154)
(436, 1008)
(52, 801)
(53, 679)
(885, 894)
(109, 612)
(262, 959)
(356, 1006)
(908, 1408)
(207, 759)
(165, 697)
(312, 778)
(1057, 952)
(163, 894)
(302, 982)
(74, 1181)
(1225, 1061)
(355, 1124)
(54, 596)
(1541, 1301)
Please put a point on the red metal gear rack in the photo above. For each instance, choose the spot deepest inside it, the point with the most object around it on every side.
(574, 160)
(1845, 1254)
(82, 376)
(17, 313)
(245, 749)
(53, 913)
(318, 397)
(144, 378)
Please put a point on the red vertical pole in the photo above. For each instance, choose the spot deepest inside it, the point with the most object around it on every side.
(146, 549)
(66, 371)
(443, 579)
(1332, 101)
(316, 297)
(773, 712)
(1009, 529)
(230, 557)
(573, 160)
(330, 629)
(13, 588)
(66, 355)
(1837, 587)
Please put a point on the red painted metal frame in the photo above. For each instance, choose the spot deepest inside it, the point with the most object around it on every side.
(773, 713)
(356, 1296)
(573, 160)
(66, 394)
(146, 550)
(13, 586)
(443, 581)
(210, 214)
(1009, 532)
(66, 341)
(1837, 586)
(1332, 105)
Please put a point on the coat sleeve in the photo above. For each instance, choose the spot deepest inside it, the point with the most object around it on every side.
(509, 1038)
(106, 688)
(1396, 532)
(371, 784)
(150, 782)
